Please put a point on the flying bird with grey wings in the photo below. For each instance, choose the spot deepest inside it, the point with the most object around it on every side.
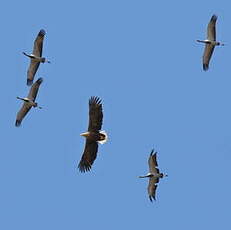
(154, 175)
(210, 42)
(36, 57)
(29, 102)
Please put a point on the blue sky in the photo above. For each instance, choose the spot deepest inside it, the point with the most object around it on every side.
(141, 58)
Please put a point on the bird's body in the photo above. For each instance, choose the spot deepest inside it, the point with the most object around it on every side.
(36, 57)
(100, 136)
(210, 42)
(93, 135)
(29, 102)
(154, 175)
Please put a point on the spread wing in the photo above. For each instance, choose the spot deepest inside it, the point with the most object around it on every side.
(152, 186)
(89, 156)
(34, 89)
(211, 29)
(38, 44)
(207, 55)
(37, 51)
(32, 71)
(95, 114)
(22, 113)
(152, 162)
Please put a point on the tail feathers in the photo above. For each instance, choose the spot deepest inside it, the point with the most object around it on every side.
(105, 137)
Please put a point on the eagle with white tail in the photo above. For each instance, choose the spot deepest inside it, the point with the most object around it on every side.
(93, 135)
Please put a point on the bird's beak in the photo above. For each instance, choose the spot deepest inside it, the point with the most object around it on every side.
(84, 134)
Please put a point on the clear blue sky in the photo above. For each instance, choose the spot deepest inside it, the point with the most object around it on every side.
(142, 59)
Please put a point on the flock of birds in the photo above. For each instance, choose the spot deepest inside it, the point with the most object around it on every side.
(94, 135)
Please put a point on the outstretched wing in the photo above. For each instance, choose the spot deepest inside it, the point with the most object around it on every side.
(38, 44)
(32, 71)
(89, 156)
(37, 51)
(152, 186)
(207, 55)
(34, 89)
(95, 114)
(152, 162)
(22, 113)
(211, 29)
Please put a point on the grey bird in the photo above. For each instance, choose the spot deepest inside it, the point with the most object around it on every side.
(29, 102)
(154, 175)
(36, 57)
(210, 42)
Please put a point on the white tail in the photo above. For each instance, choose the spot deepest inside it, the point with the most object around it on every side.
(106, 137)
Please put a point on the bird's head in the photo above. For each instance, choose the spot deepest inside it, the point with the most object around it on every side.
(220, 44)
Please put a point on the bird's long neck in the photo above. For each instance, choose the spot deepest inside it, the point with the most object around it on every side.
(148, 175)
(20, 98)
(26, 54)
(203, 41)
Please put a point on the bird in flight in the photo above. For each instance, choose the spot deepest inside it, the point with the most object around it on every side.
(154, 175)
(29, 102)
(93, 135)
(210, 42)
(36, 57)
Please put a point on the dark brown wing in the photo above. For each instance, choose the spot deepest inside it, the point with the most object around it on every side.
(95, 114)
(34, 89)
(152, 162)
(89, 156)
(207, 55)
(32, 71)
(152, 186)
(38, 44)
(22, 113)
(211, 29)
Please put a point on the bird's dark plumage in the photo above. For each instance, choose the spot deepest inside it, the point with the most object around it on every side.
(94, 126)
(95, 114)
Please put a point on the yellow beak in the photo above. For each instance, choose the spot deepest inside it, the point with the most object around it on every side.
(86, 134)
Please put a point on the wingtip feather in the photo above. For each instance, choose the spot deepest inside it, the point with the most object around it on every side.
(17, 123)
(29, 82)
(40, 80)
(214, 17)
(205, 67)
(84, 168)
(42, 32)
